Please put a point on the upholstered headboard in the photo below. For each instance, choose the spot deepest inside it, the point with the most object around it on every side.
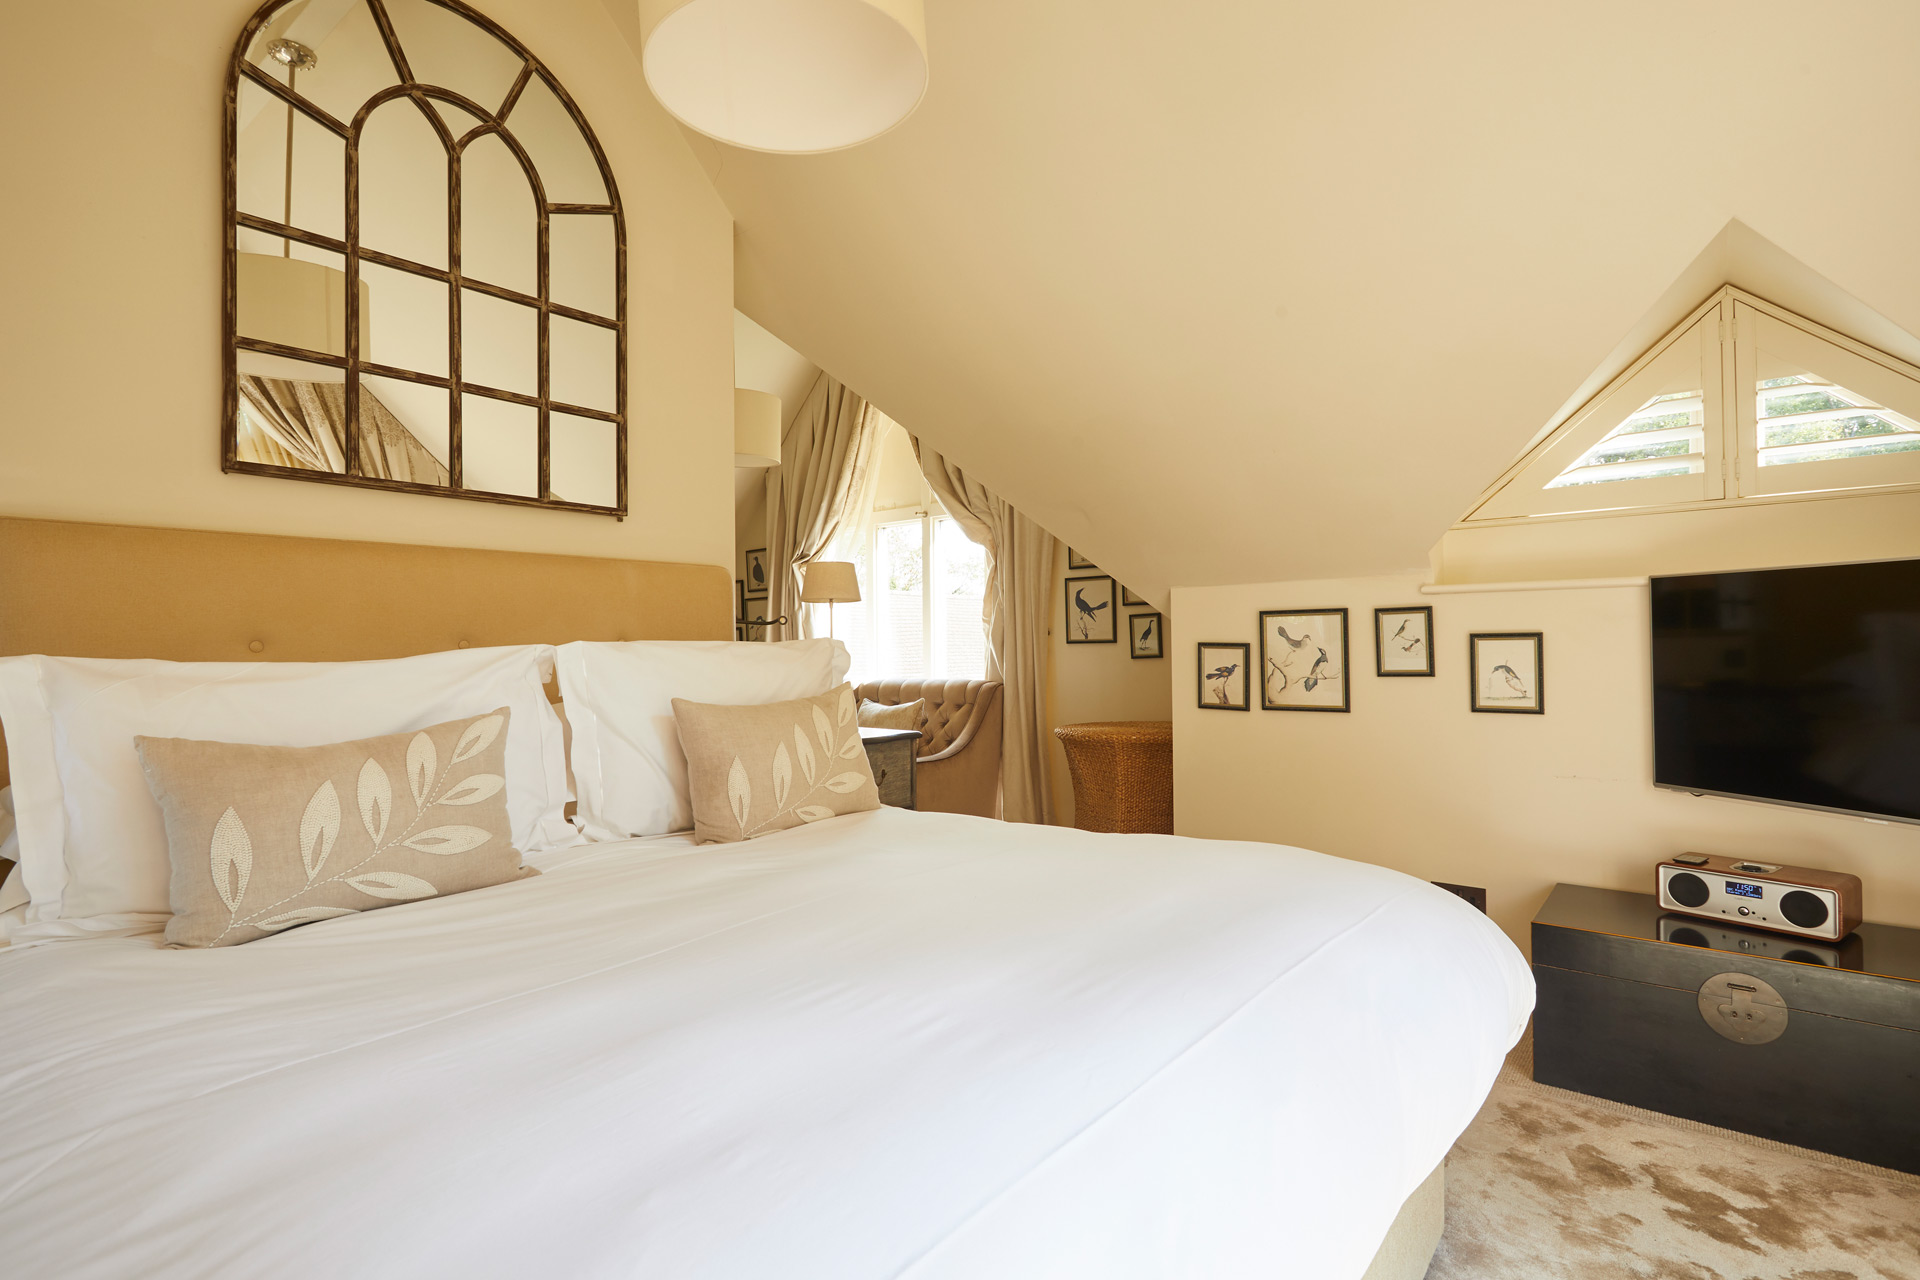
(115, 591)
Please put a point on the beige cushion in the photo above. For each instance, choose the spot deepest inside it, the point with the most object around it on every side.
(757, 770)
(265, 838)
(880, 715)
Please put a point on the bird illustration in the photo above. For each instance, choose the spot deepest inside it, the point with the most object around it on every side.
(1146, 633)
(1411, 645)
(1089, 613)
(758, 574)
(1314, 676)
(1512, 678)
(1403, 628)
(1221, 674)
(1291, 642)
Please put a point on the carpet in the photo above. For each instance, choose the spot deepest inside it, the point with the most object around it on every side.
(1547, 1184)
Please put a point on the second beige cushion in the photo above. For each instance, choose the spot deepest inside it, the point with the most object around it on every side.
(757, 770)
(891, 715)
(266, 838)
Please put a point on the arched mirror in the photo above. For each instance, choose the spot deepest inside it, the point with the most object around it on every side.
(426, 262)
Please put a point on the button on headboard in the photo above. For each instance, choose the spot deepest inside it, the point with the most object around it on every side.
(115, 591)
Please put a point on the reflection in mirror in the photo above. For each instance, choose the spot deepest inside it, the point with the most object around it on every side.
(499, 343)
(409, 325)
(350, 59)
(567, 168)
(583, 458)
(499, 446)
(499, 225)
(445, 49)
(403, 430)
(298, 301)
(290, 413)
(403, 184)
(304, 186)
(580, 261)
(582, 364)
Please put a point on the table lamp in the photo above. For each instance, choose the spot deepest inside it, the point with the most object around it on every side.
(829, 582)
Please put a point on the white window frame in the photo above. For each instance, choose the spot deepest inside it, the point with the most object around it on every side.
(1720, 347)
(933, 644)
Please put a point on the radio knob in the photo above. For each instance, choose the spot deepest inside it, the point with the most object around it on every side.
(1804, 909)
(1687, 889)
(1745, 912)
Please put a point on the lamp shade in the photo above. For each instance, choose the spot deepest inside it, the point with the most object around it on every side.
(829, 582)
(793, 76)
(756, 428)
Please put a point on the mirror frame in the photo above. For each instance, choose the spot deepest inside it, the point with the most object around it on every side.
(353, 252)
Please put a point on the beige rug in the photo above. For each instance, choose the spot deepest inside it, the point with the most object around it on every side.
(1547, 1184)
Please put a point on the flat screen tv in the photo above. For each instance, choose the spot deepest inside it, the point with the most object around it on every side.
(1797, 686)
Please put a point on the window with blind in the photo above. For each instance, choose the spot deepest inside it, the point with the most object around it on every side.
(922, 586)
(1742, 400)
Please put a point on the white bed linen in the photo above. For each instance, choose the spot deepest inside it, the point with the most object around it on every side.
(889, 1044)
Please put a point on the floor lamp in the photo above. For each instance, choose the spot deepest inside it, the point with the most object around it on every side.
(829, 582)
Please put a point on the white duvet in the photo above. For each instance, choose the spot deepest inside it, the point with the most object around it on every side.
(890, 1044)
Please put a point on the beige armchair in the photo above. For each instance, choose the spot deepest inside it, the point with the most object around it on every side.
(958, 768)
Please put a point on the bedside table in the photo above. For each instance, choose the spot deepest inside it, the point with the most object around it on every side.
(1813, 1043)
(891, 752)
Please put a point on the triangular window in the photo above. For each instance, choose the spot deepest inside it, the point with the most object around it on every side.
(1812, 411)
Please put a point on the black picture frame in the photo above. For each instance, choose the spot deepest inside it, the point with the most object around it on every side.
(1077, 561)
(1130, 600)
(1312, 677)
(1477, 686)
(1382, 641)
(1219, 649)
(1082, 620)
(1156, 634)
(739, 599)
(757, 558)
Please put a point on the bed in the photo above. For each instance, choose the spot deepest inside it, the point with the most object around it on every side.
(890, 1044)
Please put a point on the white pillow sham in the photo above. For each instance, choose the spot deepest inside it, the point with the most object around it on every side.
(93, 844)
(628, 768)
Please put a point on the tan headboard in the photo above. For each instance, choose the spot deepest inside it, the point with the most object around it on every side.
(116, 591)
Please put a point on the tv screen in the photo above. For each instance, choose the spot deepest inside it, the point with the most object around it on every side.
(1800, 686)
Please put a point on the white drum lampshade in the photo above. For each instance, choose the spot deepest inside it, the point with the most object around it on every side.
(793, 76)
(756, 428)
(829, 582)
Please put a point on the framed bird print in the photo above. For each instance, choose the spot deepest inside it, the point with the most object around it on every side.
(1077, 561)
(739, 600)
(1146, 635)
(1223, 677)
(1303, 660)
(1509, 671)
(757, 571)
(1403, 641)
(1128, 598)
(1090, 611)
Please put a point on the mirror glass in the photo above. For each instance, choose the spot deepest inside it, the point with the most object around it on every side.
(584, 455)
(500, 446)
(582, 357)
(499, 343)
(330, 110)
(499, 224)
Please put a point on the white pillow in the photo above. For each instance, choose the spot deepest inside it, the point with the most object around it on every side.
(628, 768)
(93, 844)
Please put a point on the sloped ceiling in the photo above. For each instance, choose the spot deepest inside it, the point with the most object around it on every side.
(1241, 291)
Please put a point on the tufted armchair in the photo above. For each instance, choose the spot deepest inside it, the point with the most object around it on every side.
(958, 769)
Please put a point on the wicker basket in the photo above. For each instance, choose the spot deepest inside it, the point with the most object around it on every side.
(1122, 774)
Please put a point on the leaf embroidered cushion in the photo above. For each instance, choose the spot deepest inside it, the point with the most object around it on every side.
(757, 770)
(266, 838)
(887, 715)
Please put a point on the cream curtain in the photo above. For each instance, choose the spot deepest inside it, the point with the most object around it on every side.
(1018, 601)
(286, 422)
(823, 485)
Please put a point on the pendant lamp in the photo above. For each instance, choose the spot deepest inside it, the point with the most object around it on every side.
(794, 76)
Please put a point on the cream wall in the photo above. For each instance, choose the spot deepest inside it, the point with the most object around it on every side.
(1093, 682)
(110, 343)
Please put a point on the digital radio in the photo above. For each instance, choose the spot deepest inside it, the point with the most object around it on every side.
(1761, 895)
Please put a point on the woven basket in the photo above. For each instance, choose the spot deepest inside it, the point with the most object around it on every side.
(1122, 774)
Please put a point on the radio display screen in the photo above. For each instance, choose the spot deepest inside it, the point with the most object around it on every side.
(1740, 890)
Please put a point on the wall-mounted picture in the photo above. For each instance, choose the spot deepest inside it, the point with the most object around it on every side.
(1146, 635)
(1090, 611)
(1303, 660)
(1077, 561)
(1129, 599)
(757, 571)
(1403, 641)
(1509, 671)
(1223, 677)
(739, 633)
(739, 600)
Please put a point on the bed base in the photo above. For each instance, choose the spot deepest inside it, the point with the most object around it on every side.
(1415, 1234)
